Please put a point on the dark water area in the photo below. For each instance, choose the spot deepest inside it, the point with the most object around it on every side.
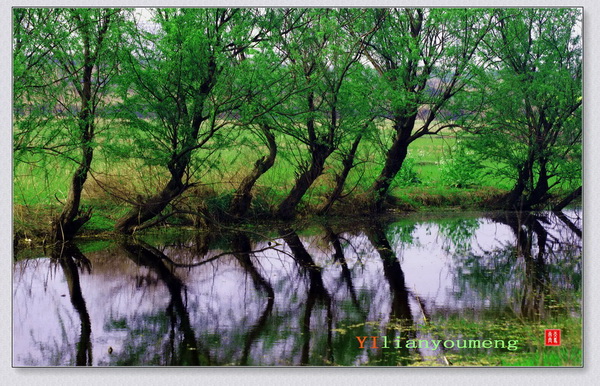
(287, 297)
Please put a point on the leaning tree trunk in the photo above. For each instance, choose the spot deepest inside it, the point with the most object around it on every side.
(152, 207)
(393, 163)
(394, 159)
(287, 208)
(567, 200)
(243, 197)
(71, 219)
(319, 151)
(340, 180)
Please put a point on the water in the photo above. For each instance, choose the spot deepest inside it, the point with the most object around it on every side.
(284, 297)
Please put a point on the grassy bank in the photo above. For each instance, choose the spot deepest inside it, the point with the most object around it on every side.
(427, 181)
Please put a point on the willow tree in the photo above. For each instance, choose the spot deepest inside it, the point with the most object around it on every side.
(256, 127)
(325, 61)
(424, 58)
(64, 62)
(527, 114)
(33, 42)
(267, 86)
(180, 92)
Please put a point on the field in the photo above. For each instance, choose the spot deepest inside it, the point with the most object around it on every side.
(432, 178)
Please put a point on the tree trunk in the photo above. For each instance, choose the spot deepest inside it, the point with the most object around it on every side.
(348, 163)
(286, 210)
(71, 219)
(177, 165)
(243, 197)
(152, 207)
(515, 199)
(567, 200)
(394, 159)
(183, 143)
(393, 163)
(524, 195)
(539, 195)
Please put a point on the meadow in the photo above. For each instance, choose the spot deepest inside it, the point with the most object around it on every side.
(40, 183)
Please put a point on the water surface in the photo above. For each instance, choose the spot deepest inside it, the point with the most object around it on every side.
(295, 296)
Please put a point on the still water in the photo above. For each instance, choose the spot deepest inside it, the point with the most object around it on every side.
(288, 297)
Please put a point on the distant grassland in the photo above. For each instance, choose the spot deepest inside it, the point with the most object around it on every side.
(40, 183)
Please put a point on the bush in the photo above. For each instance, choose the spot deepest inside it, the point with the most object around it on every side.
(461, 169)
(407, 176)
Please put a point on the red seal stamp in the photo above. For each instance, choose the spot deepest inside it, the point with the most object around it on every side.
(552, 337)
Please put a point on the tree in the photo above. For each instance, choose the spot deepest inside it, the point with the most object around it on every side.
(424, 58)
(527, 114)
(181, 82)
(322, 58)
(58, 105)
(267, 86)
(33, 42)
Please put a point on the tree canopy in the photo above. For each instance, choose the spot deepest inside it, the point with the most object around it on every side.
(229, 102)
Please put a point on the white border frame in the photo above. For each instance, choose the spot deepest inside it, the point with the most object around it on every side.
(299, 376)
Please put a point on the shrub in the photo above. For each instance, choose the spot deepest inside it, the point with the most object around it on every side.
(461, 169)
(407, 176)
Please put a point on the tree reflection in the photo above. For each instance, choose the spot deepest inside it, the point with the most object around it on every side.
(529, 233)
(543, 245)
(189, 352)
(339, 257)
(241, 243)
(317, 293)
(198, 303)
(567, 221)
(400, 312)
(70, 258)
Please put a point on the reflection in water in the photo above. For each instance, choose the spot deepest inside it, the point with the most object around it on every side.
(146, 256)
(567, 221)
(525, 227)
(70, 258)
(400, 309)
(535, 245)
(241, 244)
(334, 240)
(295, 297)
(317, 293)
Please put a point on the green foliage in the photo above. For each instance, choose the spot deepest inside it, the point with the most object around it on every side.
(407, 176)
(199, 90)
(461, 168)
(459, 233)
(50, 48)
(525, 108)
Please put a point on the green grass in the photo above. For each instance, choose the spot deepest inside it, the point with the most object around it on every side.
(41, 186)
(440, 197)
(513, 341)
(549, 356)
(527, 337)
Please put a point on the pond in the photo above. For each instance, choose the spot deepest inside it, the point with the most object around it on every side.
(475, 289)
